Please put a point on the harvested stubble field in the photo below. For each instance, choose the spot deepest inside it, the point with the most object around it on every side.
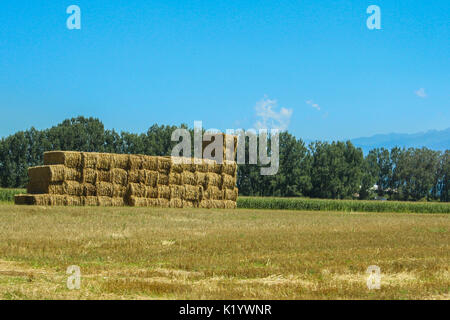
(160, 253)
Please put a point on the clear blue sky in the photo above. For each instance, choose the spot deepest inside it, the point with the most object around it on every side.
(135, 63)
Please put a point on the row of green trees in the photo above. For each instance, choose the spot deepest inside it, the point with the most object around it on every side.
(335, 170)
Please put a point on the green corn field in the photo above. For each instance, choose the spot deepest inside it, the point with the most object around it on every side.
(342, 205)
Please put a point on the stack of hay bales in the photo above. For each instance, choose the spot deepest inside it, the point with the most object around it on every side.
(103, 179)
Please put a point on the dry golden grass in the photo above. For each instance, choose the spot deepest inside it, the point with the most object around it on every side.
(160, 253)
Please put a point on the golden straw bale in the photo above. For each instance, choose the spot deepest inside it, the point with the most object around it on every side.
(176, 203)
(53, 199)
(90, 176)
(218, 204)
(190, 204)
(104, 176)
(150, 163)
(151, 192)
(193, 192)
(135, 162)
(188, 177)
(89, 200)
(104, 161)
(138, 202)
(72, 188)
(230, 194)
(206, 204)
(217, 168)
(229, 167)
(105, 189)
(163, 179)
(136, 190)
(176, 191)
(176, 165)
(104, 201)
(209, 163)
(44, 200)
(24, 199)
(72, 201)
(228, 204)
(200, 178)
(228, 181)
(89, 189)
(54, 173)
(89, 160)
(119, 191)
(163, 191)
(134, 176)
(153, 202)
(117, 202)
(212, 166)
(175, 178)
(213, 179)
(56, 188)
(40, 186)
(120, 161)
(72, 174)
(164, 164)
(119, 176)
(164, 203)
(201, 167)
(151, 178)
(180, 164)
(70, 159)
(213, 193)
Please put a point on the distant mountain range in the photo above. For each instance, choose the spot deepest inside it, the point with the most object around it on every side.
(432, 139)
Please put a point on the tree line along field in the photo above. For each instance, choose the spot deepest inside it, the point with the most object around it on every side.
(161, 253)
(336, 170)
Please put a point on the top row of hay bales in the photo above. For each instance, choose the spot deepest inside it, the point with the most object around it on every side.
(131, 162)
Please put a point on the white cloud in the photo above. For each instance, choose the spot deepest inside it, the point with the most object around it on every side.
(314, 105)
(269, 117)
(421, 93)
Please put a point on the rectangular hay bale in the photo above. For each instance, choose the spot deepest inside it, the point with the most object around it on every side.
(136, 190)
(213, 193)
(89, 201)
(213, 179)
(150, 163)
(72, 188)
(229, 167)
(163, 179)
(119, 176)
(164, 164)
(228, 181)
(175, 178)
(105, 189)
(90, 176)
(177, 192)
(188, 177)
(89, 189)
(175, 203)
(151, 178)
(104, 161)
(119, 161)
(163, 191)
(230, 194)
(53, 173)
(70, 159)
(119, 191)
(89, 160)
(135, 162)
(193, 193)
(200, 178)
